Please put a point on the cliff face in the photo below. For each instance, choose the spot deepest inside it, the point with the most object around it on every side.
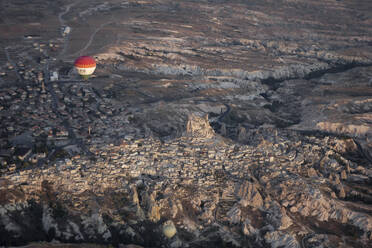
(207, 123)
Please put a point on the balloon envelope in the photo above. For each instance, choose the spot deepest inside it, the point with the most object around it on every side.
(85, 65)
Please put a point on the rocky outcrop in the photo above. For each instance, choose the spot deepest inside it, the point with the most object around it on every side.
(249, 195)
(199, 127)
(278, 239)
(343, 128)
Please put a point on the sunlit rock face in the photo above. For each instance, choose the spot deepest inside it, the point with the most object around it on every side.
(206, 123)
(199, 127)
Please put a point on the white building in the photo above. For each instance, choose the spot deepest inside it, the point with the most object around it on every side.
(66, 30)
(54, 76)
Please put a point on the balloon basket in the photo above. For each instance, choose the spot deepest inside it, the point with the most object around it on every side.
(85, 77)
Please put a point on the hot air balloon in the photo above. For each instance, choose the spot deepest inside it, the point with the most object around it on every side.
(85, 65)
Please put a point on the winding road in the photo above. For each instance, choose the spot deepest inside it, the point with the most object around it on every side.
(91, 38)
(63, 24)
